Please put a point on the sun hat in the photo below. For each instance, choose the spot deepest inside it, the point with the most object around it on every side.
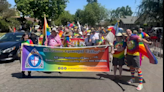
(118, 34)
(124, 34)
(54, 29)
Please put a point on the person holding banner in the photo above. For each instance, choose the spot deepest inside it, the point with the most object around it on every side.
(118, 56)
(54, 40)
(25, 40)
(133, 59)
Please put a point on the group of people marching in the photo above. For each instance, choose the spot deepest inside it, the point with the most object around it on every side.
(125, 47)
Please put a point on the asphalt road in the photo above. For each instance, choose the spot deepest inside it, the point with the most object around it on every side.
(11, 81)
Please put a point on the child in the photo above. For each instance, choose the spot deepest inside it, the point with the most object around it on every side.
(118, 56)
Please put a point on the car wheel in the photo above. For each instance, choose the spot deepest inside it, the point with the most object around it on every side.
(18, 54)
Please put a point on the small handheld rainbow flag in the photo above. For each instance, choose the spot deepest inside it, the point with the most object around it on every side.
(46, 31)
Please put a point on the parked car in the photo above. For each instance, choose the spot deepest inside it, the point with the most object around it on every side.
(9, 46)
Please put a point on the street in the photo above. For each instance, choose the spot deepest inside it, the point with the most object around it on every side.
(11, 80)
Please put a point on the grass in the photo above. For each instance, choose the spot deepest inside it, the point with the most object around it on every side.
(2, 34)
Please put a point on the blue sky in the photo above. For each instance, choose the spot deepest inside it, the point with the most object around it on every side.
(73, 5)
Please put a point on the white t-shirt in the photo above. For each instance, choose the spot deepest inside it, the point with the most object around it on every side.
(94, 37)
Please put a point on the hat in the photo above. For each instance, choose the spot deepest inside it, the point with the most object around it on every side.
(124, 34)
(118, 34)
(54, 29)
(135, 31)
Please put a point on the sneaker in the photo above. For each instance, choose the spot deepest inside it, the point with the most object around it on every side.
(140, 86)
(60, 72)
(131, 81)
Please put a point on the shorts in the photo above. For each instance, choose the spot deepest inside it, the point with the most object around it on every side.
(133, 61)
(117, 61)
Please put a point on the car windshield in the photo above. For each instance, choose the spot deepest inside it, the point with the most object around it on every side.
(11, 37)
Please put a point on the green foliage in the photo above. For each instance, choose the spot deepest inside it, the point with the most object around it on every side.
(37, 8)
(92, 1)
(121, 12)
(64, 18)
(93, 13)
(6, 22)
(149, 9)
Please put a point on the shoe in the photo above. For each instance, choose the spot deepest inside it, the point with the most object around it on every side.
(131, 81)
(140, 87)
(59, 72)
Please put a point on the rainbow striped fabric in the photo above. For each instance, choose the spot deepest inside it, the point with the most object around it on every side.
(119, 54)
(66, 40)
(46, 31)
(143, 35)
(144, 49)
(133, 45)
(28, 42)
(60, 34)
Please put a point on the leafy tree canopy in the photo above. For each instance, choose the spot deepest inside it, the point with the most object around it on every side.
(37, 8)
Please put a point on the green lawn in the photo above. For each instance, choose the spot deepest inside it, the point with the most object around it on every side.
(2, 34)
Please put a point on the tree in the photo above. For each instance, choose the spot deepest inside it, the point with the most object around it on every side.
(37, 8)
(121, 12)
(79, 16)
(6, 13)
(93, 13)
(150, 9)
(64, 18)
(92, 1)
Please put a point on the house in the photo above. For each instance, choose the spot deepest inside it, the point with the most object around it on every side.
(128, 22)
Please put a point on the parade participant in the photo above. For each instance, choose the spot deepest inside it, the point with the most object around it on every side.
(34, 38)
(132, 57)
(25, 40)
(118, 56)
(60, 32)
(54, 41)
(88, 40)
(142, 34)
(100, 40)
(94, 37)
(67, 38)
(135, 32)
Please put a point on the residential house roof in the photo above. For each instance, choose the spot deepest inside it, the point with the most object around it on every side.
(129, 19)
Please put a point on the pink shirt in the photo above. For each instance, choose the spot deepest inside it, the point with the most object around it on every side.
(52, 41)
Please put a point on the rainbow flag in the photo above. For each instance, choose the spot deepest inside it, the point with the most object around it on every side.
(46, 31)
(61, 34)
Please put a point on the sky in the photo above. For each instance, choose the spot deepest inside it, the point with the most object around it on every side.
(73, 5)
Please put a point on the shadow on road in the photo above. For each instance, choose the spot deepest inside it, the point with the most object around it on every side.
(5, 62)
(123, 80)
(19, 76)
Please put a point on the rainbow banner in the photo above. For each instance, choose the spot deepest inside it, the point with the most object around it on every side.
(79, 59)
